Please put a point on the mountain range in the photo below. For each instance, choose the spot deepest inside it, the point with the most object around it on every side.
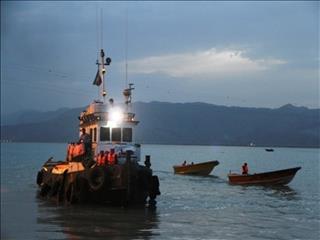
(181, 123)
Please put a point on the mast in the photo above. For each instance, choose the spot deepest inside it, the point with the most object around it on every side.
(102, 70)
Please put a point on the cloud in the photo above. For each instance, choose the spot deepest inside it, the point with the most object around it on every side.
(209, 63)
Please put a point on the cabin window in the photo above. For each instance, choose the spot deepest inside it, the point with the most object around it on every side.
(104, 134)
(127, 134)
(94, 134)
(116, 134)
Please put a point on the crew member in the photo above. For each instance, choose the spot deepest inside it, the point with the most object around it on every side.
(245, 168)
(105, 157)
(101, 158)
(70, 150)
(112, 157)
(78, 151)
(86, 139)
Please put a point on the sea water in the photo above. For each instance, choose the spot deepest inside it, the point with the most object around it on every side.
(189, 207)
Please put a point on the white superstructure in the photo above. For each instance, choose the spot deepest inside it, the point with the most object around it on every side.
(110, 125)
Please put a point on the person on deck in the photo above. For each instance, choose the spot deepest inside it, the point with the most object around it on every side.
(101, 159)
(245, 168)
(184, 163)
(70, 151)
(78, 150)
(86, 139)
(112, 157)
(105, 157)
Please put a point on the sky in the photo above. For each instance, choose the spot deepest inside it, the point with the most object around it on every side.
(248, 54)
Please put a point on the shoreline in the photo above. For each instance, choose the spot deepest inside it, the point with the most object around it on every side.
(177, 144)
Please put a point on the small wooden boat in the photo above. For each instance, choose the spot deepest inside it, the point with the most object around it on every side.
(269, 149)
(204, 168)
(280, 177)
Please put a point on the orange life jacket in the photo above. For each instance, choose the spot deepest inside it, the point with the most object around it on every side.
(81, 149)
(78, 150)
(112, 157)
(245, 169)
(105, 158)
(69, 152)
(101, 160)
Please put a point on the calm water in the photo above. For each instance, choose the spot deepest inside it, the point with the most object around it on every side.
(188, 208)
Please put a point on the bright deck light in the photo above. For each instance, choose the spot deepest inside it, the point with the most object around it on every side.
(116, 116)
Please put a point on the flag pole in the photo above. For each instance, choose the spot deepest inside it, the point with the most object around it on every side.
(103, 70)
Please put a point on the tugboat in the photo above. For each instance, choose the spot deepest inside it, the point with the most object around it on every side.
(103, 166)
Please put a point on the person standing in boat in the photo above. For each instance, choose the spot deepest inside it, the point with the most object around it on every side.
(245, 168)
(85, 138)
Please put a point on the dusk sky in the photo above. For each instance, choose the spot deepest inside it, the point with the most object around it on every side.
(250, 54)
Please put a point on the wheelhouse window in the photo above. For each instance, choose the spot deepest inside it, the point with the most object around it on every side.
(116, 134)
(104, 134)
(127, 134)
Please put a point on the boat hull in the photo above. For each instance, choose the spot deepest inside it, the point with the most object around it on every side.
(71, 182)
(281, 177)
(202, 169)
(269, 149)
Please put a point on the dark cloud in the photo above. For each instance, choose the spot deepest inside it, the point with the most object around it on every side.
(49, 49)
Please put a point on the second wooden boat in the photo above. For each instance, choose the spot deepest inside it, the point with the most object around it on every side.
(203, 169)
(280, 177)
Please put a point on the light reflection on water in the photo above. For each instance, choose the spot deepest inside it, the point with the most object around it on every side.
(97, 222)
(189, 207)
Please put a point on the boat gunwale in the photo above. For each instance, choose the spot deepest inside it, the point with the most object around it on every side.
(295, 169)
(215, 162)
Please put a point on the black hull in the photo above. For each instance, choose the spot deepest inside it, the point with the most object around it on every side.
(122, 185)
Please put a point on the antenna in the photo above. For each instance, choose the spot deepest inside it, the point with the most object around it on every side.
(103, 70)
(101, 26)
(126, 47)
(102, 62)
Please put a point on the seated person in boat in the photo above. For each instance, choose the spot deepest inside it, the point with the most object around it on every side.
(245, 168)
(184, 163)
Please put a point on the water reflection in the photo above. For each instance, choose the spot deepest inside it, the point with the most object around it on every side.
(97, 222)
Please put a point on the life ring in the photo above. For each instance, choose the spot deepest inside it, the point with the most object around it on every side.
(97, 178)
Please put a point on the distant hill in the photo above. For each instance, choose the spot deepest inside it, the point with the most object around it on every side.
(188, 123)
(30, 116)
(62, 127)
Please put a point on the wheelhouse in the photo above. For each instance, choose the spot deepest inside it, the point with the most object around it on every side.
(109, 126)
